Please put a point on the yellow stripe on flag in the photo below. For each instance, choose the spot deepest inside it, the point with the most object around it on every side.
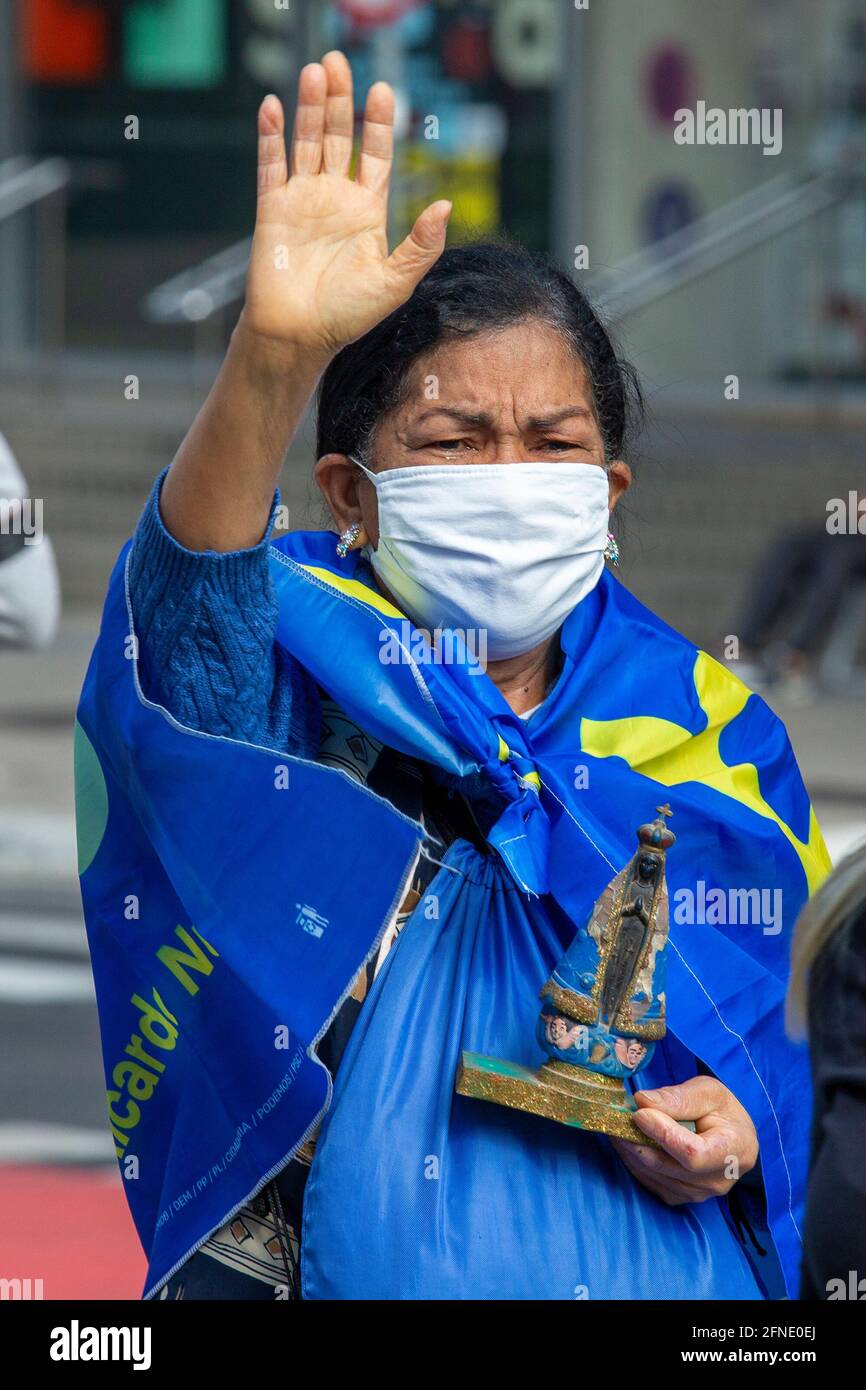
(669, 754)
(353, 588)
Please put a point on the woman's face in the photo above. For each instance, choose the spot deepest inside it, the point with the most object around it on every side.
(507, 397)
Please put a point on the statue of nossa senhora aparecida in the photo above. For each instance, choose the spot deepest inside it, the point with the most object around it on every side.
(603, 1007)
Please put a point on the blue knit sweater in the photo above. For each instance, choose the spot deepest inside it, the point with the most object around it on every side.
(205, 623)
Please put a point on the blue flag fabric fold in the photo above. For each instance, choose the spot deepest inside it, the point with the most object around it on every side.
(231, 894)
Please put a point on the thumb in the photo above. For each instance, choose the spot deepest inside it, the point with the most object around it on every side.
(421, 248)
(689, 1100)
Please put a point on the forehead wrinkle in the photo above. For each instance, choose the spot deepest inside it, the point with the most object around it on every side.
(543, 420)
(468, 417)
(550, 418)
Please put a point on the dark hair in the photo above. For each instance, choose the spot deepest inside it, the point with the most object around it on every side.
(472, 289)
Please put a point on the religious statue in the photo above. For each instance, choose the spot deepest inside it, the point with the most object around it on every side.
(602, 1010)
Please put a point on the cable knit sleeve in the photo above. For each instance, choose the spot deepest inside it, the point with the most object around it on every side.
(205, 623)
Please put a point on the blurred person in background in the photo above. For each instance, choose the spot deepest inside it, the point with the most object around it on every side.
(29, 587)
(794, 596)
(827, 1002)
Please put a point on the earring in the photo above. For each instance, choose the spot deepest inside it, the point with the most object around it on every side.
(611, 550)
(347, 539)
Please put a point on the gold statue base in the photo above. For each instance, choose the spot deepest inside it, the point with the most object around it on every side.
(558, 1091)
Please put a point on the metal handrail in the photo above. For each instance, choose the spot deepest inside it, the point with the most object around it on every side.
(195, 294)
(24, 182)
(43, 184)
(720, 236)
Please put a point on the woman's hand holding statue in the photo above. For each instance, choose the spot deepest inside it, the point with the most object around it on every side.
(690, 1167)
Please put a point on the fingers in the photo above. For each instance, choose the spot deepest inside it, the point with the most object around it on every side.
(699, 1153)
(724, 1127)
(688, 1100)
(639, 1162)
(666, 1178)
(715, 1158)
(377, 139)
(324, 125)
(309, 120)
(339, 115)
(421, 248)
(272, 171)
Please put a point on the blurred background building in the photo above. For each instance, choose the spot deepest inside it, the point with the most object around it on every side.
(736, 281)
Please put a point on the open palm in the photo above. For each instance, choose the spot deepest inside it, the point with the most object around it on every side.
(320, 274)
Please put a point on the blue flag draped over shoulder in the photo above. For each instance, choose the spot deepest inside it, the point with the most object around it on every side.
(232, 892)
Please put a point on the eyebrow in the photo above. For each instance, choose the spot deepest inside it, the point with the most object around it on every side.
(476, 418)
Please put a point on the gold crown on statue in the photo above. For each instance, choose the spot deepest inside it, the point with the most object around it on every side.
(656, 835)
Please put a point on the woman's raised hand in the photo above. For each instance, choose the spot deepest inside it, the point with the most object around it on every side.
(319, 277)
(320, 274)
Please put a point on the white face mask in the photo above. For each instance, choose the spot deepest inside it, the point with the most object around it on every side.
(504, 549)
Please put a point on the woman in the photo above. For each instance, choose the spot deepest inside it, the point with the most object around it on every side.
(269, 746)
(828, 986)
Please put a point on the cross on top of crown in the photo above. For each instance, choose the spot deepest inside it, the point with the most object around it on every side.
(664, 810)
